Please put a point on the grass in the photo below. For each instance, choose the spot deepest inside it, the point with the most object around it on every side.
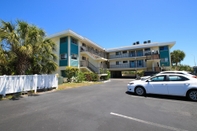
(60, 87)
(75, 85)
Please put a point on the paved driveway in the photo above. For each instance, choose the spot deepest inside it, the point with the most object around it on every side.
(103, 107)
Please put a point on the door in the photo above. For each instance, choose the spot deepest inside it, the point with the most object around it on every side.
(177, 85)
(157, 85)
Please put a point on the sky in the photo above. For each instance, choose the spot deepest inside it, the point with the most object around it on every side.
(113, 23)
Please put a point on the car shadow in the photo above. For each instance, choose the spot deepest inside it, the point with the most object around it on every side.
(180, 98)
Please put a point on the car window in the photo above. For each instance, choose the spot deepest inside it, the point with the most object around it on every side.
(158, 78)
(177, 78)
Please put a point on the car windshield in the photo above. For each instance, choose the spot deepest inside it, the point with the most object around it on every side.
(148, 77)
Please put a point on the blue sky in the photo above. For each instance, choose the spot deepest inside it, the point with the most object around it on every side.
(114, 23)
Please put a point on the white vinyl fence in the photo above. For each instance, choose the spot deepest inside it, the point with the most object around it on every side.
(20, 83)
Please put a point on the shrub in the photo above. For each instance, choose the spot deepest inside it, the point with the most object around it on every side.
(80, 77)
(89, 76)
(71, 72)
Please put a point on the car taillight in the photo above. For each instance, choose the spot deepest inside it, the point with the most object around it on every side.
(194, 76)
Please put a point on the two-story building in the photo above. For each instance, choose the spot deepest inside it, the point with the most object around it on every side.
(150, 57)
(77, 51)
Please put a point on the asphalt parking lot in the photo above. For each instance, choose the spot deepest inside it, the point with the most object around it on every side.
(101, 107)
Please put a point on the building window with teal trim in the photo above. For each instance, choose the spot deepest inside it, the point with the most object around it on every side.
(73, 41)
(74, 56)
(163, 48)
(164, 59)
(63, 56)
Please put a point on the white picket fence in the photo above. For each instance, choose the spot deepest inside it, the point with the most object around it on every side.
(21, 83)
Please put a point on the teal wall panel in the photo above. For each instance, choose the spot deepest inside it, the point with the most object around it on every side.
(63, 62)
(164, 53)
(63, 50)
(74, 49)
(74, 46)
(74, 63)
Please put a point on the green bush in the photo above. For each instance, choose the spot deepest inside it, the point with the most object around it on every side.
(80, 77)
(71, 72)
(89, 76)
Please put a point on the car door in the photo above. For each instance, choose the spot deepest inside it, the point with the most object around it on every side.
(157, 85)
(177, 85)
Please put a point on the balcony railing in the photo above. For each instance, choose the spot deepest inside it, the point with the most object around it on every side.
(120, 66)
(118, 56)
(127, 66)
(152, 57)
(85, 49)
(157, 69)
(154, 53)
(91, 67)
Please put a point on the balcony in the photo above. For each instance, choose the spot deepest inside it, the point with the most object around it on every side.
(91, 67)
(91, 50)
(152, 55)
(120, 66)
(118, 56)
(127, 66)
(156, 69)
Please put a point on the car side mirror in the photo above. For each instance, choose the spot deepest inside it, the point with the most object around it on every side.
(147, 80)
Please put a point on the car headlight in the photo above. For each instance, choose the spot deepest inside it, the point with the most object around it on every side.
(131, 83)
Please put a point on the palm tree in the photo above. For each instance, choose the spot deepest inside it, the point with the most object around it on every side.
(177, 56)
(29, 47)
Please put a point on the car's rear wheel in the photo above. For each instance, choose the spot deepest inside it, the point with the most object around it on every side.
(140, 91)
(192, 95)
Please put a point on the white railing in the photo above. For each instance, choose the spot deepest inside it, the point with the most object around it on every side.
(21, 83)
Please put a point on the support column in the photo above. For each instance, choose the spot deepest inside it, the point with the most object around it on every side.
(69, 55)
(79, 55)
(153, 66)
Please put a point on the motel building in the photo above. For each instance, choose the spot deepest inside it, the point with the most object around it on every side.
(77, 51)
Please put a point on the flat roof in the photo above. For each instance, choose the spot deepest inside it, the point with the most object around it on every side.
(74, 34)
(140, 46)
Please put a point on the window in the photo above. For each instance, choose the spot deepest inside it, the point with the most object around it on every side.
(118, 53)
(63, 56)
(164, 59)
(73, 41)
(117, 63)
(140, 63)
(83, 58)
(124, 52)
(132, 53)
(132, 64)
(177, 78)
(147, 49)
(74, 56)
(139, 53)
(125, 61)
(158, 78)
(83, 44)
(62, 40)
(163, 48)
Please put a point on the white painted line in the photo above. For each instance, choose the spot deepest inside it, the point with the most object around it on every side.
(148, 122)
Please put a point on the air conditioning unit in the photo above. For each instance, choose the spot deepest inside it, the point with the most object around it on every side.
(149, 41)
(133, 43)
(145, 42)
(137, 42)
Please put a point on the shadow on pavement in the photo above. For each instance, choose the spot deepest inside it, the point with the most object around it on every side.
(180, 98)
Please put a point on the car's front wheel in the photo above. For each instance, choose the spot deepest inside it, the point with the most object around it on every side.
(192, 95)
(140, 91)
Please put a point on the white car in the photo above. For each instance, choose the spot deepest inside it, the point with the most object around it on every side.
(170, 72)
(166, 84)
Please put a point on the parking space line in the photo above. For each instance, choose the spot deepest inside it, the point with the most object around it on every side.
(148, 122)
